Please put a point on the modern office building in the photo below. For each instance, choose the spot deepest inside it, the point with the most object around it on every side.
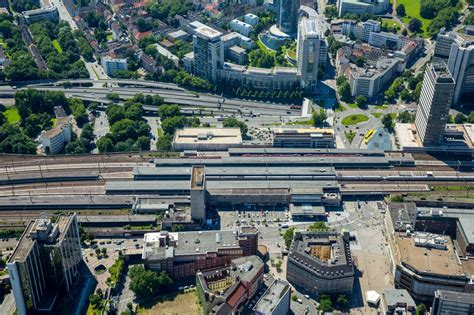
(287, 15)
(424, 262)
(111, 65)
(311, 52)
(45, 264)
(207, 52)
(398, 302)
(452, 303)
(251, 19)
(304, 138)
(457, 50)
(320, 263)
(435, 100)
(370, 80)
(207, 139)
(275, 301)
(46, 13)
(225, 290)
(361, 7)
(241, 27)
(183, 254)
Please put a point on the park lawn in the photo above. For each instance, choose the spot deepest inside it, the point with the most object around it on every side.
(377, 115)
(352, 105)
(180, 304)
(57, 46)
(350, 136)
(354, 119)
(391, 22)
(339, 108)
(412, 9)
(12, 115)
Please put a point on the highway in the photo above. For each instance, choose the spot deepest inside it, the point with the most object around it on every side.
(170, 93)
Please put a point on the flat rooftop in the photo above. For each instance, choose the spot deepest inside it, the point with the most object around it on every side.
(208, 32)
(289, 131)
(270, 299)
(432, 260)
(208, 136)
(188, 243)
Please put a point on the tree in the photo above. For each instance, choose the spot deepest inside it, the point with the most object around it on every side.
(421, 309)
(325, 304)
(361, 100)
(319, 118)
(164, 143)
(406, 117)
(342, 300)
(401, 10)
(105, 145)
(147, 283)
(460, 118)
(318, 227)
(114, 97)
(169, 125)
(166, 111)
(288, 236)
(344, 91)
(387, 121)
(233, 122)
(415, 25)
(294, 298)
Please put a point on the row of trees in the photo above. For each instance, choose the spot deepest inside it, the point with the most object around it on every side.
(63, 61)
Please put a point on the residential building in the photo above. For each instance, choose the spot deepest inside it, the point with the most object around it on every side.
(398, 302)
(320, 263)
(46, 13)
(275, 301)
(304, 138)
(360, 7)
(55, 139)
(183, 254)
(207, 52)
(452, 303)
(457, 50)
(45, 264)
(251, 19)
(241, 27)
(226, 290)
(287, 15)
(111, 65)
(177, 35)
(360, 30)
(435, 100)
(207, 139)
(311, 51)
(148, 63)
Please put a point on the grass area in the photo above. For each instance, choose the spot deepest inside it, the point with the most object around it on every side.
(110, 37)
(354, 119)
(453, 188)
(392, 23)
(159, 132)
(265, 48)
(352, 105)
(308, 122)
(412, 8)
(181, 304)
(291, 54)
(115, 271)
(381, 107)
(339, 108)
(12, 115)
(377, 115)
(93, 311)
(53, 121)
(394, 115)
(57, 46)
(350, 136)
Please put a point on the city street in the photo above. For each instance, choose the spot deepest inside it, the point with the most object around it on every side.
(101, 126)
(153, 123)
